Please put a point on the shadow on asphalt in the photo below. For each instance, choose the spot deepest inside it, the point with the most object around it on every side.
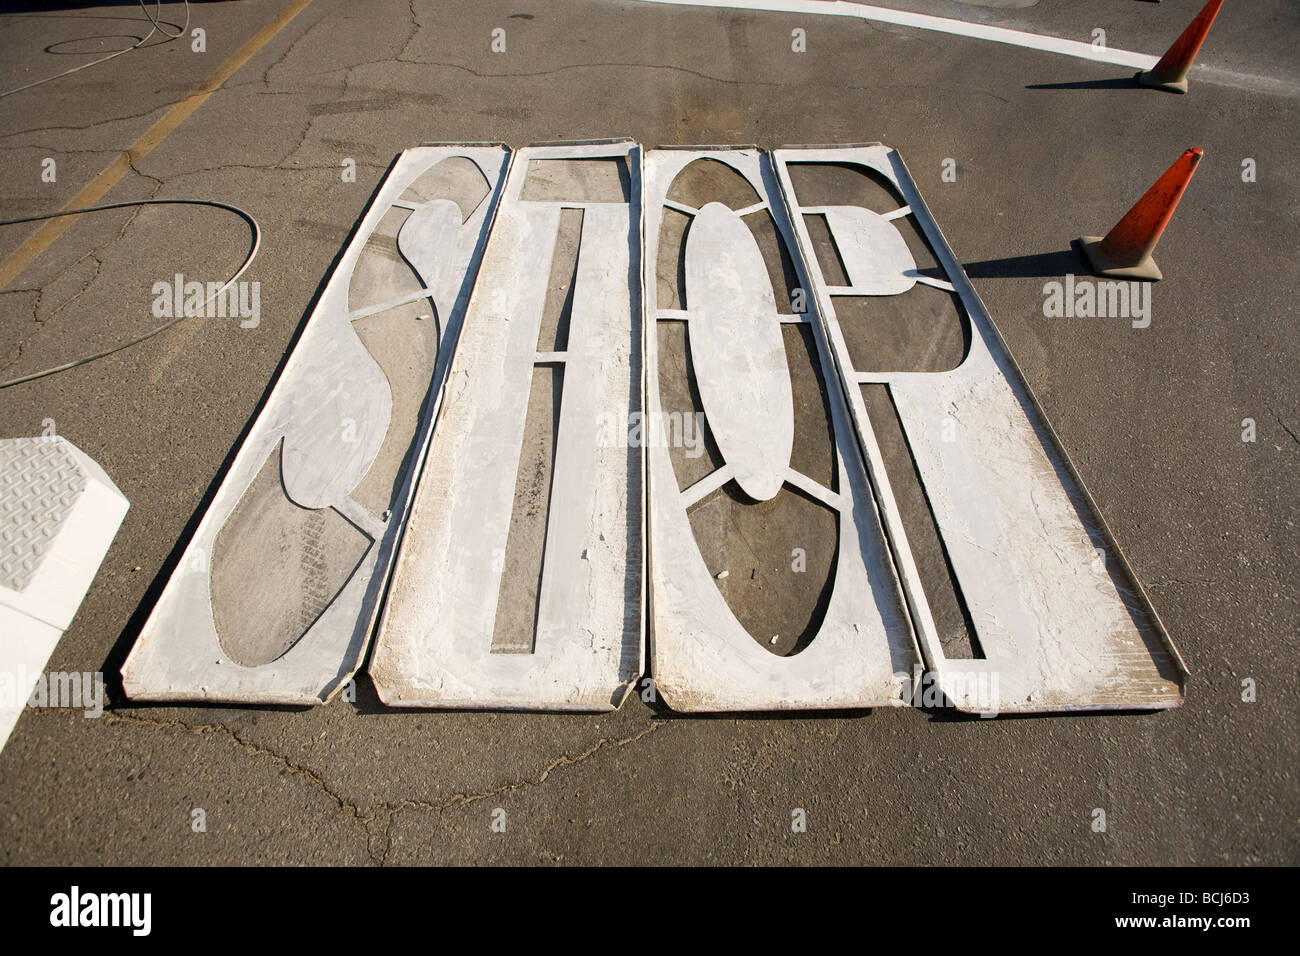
(1035, 265)
(1116, 83)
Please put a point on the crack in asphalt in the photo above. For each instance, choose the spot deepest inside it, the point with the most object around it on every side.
(366, 815)
(1287, 428)
(677, 69)
(581, 66)
(347, 77)
(266, 74)
(40, 148)
(344, 805)
(82, 129)
(17, 352)
(415, 29)
(464, 799)
(272, 168)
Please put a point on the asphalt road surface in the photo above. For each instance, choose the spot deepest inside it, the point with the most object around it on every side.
(1046, 148)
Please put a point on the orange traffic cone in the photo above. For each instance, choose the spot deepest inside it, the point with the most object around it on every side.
(1171, 72)
(1125, 252)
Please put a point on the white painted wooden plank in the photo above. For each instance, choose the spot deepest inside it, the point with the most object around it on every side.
(435, 641)
(343, 433)
(703, 659)
(1058, 630)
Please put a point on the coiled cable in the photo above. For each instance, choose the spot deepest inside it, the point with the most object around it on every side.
(156, 28)
(248, 260)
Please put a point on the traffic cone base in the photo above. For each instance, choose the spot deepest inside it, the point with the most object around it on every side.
(1170, 73)
(1103, 265)
(1125, 251)
(1176, 86)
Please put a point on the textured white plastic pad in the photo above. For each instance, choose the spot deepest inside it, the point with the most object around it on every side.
(438, 644)
(59, 513)
(275, 596)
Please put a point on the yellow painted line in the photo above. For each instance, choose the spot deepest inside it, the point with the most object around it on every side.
(41, 239)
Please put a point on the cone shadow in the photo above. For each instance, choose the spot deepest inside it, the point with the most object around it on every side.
(1038, 265)
(1111, 83)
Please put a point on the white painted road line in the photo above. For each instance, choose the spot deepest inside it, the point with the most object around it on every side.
(978, 31)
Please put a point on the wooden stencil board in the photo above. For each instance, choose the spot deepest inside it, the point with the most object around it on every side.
(275, 596)
(518, 584)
